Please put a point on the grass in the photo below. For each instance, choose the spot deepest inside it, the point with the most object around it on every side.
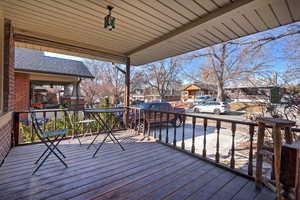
(247, 107)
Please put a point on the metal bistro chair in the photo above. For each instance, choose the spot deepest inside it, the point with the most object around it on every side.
(76, 123)
(51, 144)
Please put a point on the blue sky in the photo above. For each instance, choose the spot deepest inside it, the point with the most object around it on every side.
(277, 50)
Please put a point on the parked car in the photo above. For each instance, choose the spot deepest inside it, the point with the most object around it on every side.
(202, 99)
(212, 107)
(158, 106)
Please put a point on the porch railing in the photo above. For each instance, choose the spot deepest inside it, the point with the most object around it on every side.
(23, 132)
(227, 143)
(230, 144)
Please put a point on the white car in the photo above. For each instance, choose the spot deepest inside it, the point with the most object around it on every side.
(201, 99)
(212, 107)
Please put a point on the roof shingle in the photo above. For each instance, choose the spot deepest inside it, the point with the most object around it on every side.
(36, 61)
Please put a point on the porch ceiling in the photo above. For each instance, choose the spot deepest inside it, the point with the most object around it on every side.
(146, 30)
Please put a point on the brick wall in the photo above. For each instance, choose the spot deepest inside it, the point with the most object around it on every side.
(8, 91)
(5, 137)
(22, 91)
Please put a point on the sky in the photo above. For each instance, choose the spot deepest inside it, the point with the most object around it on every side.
(276, 51)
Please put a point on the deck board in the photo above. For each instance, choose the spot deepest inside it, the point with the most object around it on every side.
(146, 170)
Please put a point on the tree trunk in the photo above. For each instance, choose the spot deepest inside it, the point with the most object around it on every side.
(220, 90)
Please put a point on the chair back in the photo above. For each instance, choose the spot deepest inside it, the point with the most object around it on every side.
(43, 134)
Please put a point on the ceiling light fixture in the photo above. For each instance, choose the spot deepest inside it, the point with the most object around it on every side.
(109, 21)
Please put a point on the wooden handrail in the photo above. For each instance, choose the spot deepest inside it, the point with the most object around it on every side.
(242, 122)
(167, 116)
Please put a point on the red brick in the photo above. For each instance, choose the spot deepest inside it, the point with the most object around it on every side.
(22, 85)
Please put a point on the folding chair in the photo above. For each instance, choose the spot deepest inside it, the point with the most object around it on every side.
(52, 147)
(74, 125)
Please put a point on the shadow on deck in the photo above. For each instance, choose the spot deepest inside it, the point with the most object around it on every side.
(146, 170)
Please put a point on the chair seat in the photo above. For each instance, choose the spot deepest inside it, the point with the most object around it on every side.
(85, 121)
(60, 132)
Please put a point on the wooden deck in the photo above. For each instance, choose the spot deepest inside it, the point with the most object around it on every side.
(146, 170)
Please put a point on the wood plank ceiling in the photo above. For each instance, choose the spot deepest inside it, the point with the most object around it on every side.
(146, 30)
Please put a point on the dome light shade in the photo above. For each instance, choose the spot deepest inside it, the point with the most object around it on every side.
(109, 21)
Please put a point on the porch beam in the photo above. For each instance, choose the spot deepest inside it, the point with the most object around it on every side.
(193, 24)
(22, 38)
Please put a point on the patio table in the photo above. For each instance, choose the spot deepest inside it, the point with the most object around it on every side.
(96, 114)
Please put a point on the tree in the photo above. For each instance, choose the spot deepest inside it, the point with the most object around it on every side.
(228, 62)
(95, 89)
(163, 75)
(109, 81)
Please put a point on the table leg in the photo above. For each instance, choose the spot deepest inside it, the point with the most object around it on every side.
(94, 140)
(100, 145)
(118, 142)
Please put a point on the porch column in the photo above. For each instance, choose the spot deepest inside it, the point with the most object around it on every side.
(127, 92)
(8, 68)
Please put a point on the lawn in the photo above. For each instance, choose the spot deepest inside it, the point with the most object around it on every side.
(247, 107)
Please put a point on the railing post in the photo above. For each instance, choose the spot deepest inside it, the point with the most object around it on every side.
(277, 125)
(135, 119)
(250, 162)
(183, 133)
(65, 118)
(167, 129)
(289, 172)
(32, 131)
(55, 119)
(16, 129)
(154, 134)
(44, 122)
(277, 154)
(232, 161)
(139, 121)
(144, 122)
(193, 136)
(259, 157)
(218, 141)
(174, 138)
(204, 139)
(160, 124)
(149, 124)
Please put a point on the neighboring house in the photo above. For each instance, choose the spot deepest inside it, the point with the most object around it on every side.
(45, 82)
(191, 91)
(137, 94)
(151, 94)
(252, 90)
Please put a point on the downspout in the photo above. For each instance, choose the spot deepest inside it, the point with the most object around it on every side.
(77, 89)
